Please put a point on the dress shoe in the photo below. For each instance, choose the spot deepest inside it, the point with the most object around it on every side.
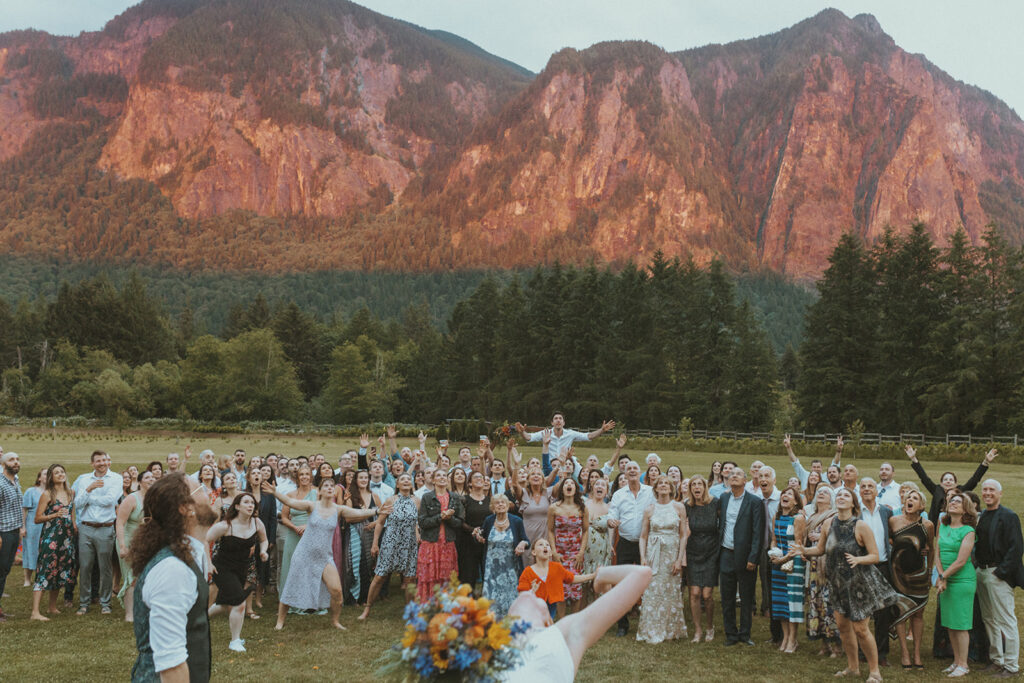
(730, 643)
(992, 668)
(749, 642)
(1004, 673)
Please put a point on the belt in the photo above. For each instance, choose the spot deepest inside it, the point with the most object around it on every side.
(98, 525)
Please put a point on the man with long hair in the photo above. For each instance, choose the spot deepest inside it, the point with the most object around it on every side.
(172, 630)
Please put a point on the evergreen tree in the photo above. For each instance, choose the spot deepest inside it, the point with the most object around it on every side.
(840, 341)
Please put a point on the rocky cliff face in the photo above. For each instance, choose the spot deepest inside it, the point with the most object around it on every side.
(761, 152)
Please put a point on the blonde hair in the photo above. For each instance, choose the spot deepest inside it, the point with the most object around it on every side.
(666, 479)
(499, 497)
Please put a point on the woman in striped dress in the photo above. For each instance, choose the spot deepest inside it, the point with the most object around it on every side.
(788, 566)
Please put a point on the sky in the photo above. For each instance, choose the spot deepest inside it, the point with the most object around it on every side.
(977, 42)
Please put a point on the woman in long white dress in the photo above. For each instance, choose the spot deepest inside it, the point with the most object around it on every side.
(663, 549)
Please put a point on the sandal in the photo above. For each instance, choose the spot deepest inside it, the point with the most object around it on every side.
(874, 678)
(846, 672)
(253, 615)
(710, 635)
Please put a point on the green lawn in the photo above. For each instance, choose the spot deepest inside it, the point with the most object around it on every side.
(95, 648)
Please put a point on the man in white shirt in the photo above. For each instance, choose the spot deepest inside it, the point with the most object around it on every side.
(834, 478)
(888, 489)
(769, 495)
(428, 481)
(625, 517)
(755, 482)
(562, 438)
(96, 496)
(377, 484)
(877, 517)
(801, 473)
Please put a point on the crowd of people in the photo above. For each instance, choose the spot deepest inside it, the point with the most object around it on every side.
(833, 550)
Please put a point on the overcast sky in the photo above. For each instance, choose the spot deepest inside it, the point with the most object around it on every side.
(977, 42)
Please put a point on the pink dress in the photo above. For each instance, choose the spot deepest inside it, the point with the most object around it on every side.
(435, 562)
(568, 540)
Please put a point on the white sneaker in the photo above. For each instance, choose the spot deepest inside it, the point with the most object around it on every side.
(237, 645)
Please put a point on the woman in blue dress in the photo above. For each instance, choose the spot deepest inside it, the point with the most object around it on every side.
(788, 567)
(313, 580)
(30, 545)
(505, 540)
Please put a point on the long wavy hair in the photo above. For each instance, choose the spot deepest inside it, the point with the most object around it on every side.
(163, 524)
(577, 496)
(51, 488)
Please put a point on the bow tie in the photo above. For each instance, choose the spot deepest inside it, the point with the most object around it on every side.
(375, 485)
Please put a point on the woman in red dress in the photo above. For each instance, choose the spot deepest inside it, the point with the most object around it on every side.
(440, 518)
(567, 520)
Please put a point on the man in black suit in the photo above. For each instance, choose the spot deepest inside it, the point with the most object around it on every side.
(739, 534)
(997, 558)
(877, 517)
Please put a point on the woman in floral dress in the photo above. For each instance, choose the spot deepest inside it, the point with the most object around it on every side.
(506, 543)
(56, 567)
(567, 519)
(821, 623)
(396, 551)
(440, 519)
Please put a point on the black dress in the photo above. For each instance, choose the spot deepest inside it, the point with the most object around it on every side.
(232, 563)
(470, 552)
(702, 545)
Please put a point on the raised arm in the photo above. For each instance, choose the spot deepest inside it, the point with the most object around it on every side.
(295, 503)
(605, 426)
(839, 451)
(979, 473)
(620, 443)
(624, 585)
(917, 467)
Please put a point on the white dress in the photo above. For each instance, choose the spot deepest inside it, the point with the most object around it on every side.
(546, 659)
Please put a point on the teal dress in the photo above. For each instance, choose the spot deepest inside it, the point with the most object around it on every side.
(291, 539)
(33, 531)
(956, 603)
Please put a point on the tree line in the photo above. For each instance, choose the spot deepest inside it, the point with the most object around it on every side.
(651, 346)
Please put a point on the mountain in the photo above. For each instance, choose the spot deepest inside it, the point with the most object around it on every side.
(283, 135)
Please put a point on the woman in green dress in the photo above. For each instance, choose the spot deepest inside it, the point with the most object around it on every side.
(129, 516)
(957, 582)
(294, 520)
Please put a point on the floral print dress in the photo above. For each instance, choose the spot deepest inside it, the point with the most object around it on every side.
(56, 566)
(661, 611)
(568, 541)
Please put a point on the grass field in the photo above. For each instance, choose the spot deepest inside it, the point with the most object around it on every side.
(96, 648)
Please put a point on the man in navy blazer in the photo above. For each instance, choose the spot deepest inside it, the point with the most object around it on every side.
(877, 516)
(740, 531)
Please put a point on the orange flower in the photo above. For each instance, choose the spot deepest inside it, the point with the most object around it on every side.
(410, 636)
(464, 590)
(437, 626)
(473, 634)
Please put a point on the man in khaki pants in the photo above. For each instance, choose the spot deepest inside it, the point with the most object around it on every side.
(998, 559)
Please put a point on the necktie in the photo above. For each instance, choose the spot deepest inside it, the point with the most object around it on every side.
(495, 491)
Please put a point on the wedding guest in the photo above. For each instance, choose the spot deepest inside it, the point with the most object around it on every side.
(716, 490)
(533, 507)
(294, 521)
(129, 516)
(821, 621)
(238, 535)
(715, 477)
(505, 540)
(30, 544)
(395, 541)
(56, 566)
(625, 518)
(470, 551)
(877, 516)
(567, 523)
(96, 496)
(266, 510)
(598, 550)
(912, 542)
(701, 555)
(440, 519)
(769, 494)
(663, 549)
(740, 535)
(361, 560)
(547, 579)
(998, 556)
(228, 491)
(957, 580)
(313, 580)
(788, 530)
(172, 630)
(856, 588)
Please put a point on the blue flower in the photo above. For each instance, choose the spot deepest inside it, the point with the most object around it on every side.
(465, 658)
(411, 610)
(519, 627)
(419, 623)
(424, 664)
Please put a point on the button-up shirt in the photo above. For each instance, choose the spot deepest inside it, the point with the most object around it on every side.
(889, 496)
(875, 521)
(732, 513)
(628, 509)
(771, 506)
(98, 506)
(497, 486)
(11, 518)
(717, 490)
(170, 592)
(559, 442)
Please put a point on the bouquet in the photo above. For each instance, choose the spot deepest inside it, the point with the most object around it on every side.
(453, 637)
(505, 432)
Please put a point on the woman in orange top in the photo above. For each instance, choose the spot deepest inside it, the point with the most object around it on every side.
(547, 579)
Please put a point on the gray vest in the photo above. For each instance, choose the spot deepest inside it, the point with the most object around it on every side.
(197, 633)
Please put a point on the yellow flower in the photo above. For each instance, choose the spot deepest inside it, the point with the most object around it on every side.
(464, 590)
(410, 636)
(483, 603)
(440, 662)
(498, 636)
